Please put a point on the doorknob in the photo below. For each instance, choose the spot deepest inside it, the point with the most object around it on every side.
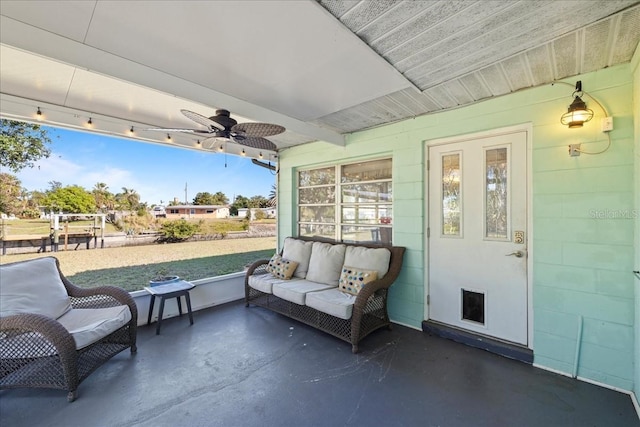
(517, 254)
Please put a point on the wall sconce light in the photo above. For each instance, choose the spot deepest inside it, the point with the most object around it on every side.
(39, 116)
(577, 113)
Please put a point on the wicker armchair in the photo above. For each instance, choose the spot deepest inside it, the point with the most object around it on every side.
(44, 351)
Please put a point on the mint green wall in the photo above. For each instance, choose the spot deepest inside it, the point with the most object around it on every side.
(581, 264)
(636, 112)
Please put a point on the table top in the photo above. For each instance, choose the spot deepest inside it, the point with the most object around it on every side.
(180, 285)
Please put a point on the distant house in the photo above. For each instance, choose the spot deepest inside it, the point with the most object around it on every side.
(269, 212)
(197, 211)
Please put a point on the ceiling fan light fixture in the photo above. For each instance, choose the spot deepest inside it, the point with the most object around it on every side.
(577, 114)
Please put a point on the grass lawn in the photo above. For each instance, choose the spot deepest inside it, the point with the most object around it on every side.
(132, 267)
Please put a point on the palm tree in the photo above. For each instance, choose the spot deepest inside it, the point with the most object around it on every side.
(273, 196)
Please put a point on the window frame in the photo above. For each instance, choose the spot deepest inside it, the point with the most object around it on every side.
(338, 203)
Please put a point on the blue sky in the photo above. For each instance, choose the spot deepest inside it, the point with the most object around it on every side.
(156, 172)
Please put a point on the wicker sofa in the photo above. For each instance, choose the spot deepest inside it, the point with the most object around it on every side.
(53, 334)
(319, 293)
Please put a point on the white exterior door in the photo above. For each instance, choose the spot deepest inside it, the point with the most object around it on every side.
(478, 235)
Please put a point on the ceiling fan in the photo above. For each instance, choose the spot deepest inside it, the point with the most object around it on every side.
(223, 126)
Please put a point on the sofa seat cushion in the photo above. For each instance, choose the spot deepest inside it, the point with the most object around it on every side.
(264, 282)
(326, 263)
(295, 291)
(333, 302)
(368, 259)
(88, 325)
(33, 286)
(300, 252)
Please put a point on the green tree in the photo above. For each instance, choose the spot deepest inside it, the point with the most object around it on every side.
(129, 199)
(22, 144)
(10, 194)
(239, 202)
(105, 199)
(258, 202)
(70, 199)
(273, 196)
(203, 198)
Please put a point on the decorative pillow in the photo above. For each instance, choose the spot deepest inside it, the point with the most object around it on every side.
(353, 279)
(300, 252)
(281, 268)
(326, 263)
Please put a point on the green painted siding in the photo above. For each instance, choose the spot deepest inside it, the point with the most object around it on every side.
(582, 248)
(636, 115)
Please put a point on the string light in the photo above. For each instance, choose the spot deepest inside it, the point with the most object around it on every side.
(131, 130)
(243, 152)
(39, 114)
(260, 154)
(168, 137)
(220, 149)
(90, 122)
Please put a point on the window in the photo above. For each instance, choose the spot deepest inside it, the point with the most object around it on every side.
(351, 203)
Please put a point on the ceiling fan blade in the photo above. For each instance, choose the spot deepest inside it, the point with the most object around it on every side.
(196, 131)
(204, 121)
(258, 129)
(257, 142)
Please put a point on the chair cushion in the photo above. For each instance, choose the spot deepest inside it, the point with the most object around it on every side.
(300, 252)
(33, 286)
(88, 325)
(368, 259)
(280, 267)
(326, 263)
(264, 282)
(353, 279)
(333, 302)
(295, 290)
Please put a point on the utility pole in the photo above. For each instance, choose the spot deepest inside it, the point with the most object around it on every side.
(185, 194)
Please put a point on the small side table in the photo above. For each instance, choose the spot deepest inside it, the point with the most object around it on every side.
(170, 290)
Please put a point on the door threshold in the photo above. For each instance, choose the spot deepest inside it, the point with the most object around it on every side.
(493, 345)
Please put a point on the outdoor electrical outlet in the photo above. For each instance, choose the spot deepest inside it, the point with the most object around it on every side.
(574, 150)
(607, 124)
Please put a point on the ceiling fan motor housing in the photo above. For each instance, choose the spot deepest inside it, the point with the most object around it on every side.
(224, 119)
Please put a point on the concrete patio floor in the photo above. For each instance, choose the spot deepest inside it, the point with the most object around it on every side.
(250, 367)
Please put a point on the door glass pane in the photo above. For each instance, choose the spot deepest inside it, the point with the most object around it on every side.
(451, 197)
(496, 193)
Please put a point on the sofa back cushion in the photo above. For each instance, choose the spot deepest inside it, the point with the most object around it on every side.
(368, 259)
(326, 263)
(33, 287)
(300, 252)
